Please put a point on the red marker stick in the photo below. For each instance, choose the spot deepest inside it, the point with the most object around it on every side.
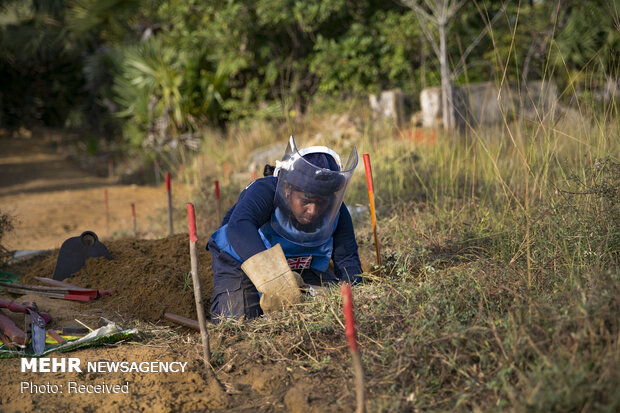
(217, 201)
(200, 311)
(347, 307)
(169, 193)
(371, 198)
(133, 220)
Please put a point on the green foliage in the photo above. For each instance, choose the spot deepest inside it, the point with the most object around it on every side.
(225, 61)
(370, 55)
(586, 50)
(40, 76)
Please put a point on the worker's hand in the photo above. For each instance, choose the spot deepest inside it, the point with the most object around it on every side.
(300, 281)
(270, 273)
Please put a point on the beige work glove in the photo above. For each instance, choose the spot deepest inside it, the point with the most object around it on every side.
(271, 275)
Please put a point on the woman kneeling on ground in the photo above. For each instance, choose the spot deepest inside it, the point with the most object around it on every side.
(282, 233)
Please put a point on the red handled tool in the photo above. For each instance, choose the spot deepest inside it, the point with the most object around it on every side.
(38, 323)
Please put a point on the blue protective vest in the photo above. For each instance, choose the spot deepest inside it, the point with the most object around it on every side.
(321, 254)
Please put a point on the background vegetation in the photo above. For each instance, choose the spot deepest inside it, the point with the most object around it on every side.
(152, 71)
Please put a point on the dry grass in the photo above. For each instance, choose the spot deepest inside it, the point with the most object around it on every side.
(499, 285)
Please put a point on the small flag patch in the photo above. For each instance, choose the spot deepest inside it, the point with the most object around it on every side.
(299, 263)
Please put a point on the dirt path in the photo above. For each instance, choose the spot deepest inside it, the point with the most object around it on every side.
(51, 199)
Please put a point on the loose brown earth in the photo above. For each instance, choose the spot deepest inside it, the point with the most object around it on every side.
(51, 200)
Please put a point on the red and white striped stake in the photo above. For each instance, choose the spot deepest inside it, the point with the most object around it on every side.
(107, 212)
(169, 193)
(254, 175)
(133, 220)
(217, 202)
(347, 307)
(191, 218)
(371, 198)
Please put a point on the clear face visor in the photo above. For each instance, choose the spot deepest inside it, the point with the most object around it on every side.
(308, 197)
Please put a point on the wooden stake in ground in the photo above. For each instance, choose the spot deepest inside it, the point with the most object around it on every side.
(169, 192)
(133, 220)
(217, 202)
(196, 282)
(107, 212)
(371, 198)
(347, 307)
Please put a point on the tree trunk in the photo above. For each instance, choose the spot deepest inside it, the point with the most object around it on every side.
(446, 82)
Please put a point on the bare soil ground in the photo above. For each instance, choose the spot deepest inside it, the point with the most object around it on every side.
(51, 200)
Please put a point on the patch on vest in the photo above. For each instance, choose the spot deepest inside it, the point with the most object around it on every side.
(299, 263)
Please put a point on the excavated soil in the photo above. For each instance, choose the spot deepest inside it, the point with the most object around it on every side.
(52, 200)
(147, 277)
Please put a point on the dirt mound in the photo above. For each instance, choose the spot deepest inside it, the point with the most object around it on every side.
(148, 277)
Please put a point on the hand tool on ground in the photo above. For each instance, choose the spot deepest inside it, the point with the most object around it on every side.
(55, 283)
(74, 252)
(53, 292)
(10, 333)
(38, 321)
(272, 276)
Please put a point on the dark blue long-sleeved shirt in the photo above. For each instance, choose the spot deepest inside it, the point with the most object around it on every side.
(255, 207)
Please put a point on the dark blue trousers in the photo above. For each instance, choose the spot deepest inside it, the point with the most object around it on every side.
(234, 294)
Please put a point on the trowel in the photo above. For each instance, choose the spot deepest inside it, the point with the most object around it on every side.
(38, 321)
(74, 252)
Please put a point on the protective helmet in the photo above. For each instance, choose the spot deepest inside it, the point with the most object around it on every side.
(317, 172)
